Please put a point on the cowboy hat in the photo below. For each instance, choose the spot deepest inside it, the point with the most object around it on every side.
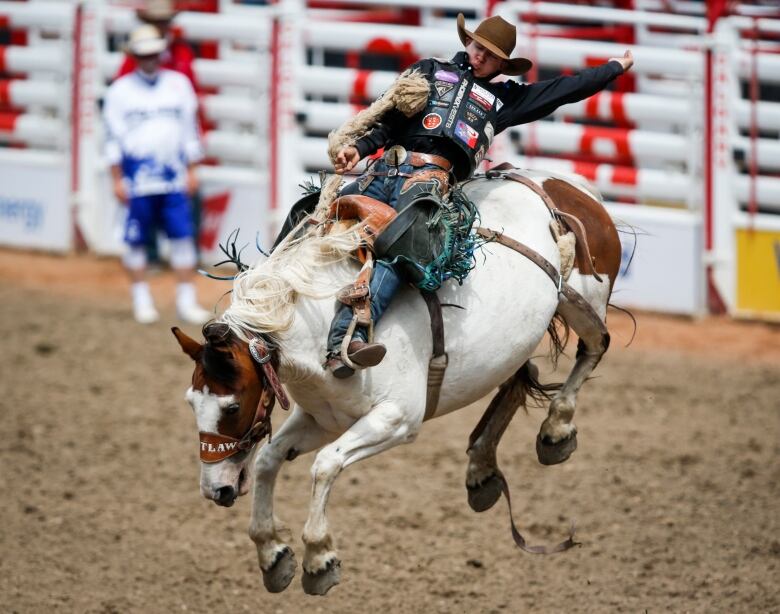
(154, 11)
(146, 40)
(498, 36)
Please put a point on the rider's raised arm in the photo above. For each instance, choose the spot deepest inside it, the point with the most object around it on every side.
(528, 102)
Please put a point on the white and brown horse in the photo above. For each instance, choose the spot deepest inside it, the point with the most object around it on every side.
(277, 324)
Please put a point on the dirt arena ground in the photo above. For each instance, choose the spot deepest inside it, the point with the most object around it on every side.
(674, 487)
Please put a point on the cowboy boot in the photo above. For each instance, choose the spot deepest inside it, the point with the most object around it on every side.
(361, 353)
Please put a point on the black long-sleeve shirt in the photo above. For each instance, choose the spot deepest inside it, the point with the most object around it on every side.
(522, 103)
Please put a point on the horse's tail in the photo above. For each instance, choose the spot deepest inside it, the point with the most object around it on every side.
(527, 378)
(558, 330)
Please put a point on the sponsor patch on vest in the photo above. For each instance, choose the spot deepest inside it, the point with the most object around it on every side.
(443, 88)
(499, 104)
(445, 75)
(456, 104)
(476, 110)
(466, 133)
(480, 101)
(431, 121)
(471, 116)
(483, 93)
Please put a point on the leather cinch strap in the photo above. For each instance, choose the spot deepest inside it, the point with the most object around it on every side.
(570, 293)
(439, 360)
(437, 365)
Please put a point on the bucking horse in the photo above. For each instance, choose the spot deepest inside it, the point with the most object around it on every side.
(274, 333)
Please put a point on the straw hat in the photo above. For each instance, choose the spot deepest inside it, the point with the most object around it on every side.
(157, 10)
(499, 36)
(146, 40)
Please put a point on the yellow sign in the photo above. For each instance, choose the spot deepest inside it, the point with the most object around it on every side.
(758, 272)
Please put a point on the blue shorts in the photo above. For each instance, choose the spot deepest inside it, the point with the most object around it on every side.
(168, 211)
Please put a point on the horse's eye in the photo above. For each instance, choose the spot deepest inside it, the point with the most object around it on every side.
(232, 409)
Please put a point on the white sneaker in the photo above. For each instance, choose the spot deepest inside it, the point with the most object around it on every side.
(145, 314)
(194, 314)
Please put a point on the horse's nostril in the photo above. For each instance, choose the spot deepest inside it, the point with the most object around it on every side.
(225, 495)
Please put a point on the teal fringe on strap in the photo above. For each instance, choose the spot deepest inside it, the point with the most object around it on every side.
(457, 256)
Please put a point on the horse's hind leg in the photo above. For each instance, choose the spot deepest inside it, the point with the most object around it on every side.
(384, 427)
(299, 434)
(558, 436)
(484, 480)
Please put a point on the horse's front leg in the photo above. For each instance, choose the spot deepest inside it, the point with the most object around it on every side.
(299, 434)
(384, 427)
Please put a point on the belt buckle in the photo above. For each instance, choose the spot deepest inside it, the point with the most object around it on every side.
(392, 171)
(395, 155)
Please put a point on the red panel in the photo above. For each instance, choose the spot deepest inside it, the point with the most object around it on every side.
(586, 169)
(625, 175)
(618, 136)
(592, 106)
(618, 108)
(8, 121)
(205, 6)
(209, 50)
(2, 58)
(404, 50)
(594, 60)
(5, 91)
(19, 37)
(359, 91)
(352, 59)
(214, 208)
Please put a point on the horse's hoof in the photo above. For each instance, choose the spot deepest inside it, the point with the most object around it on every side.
(321, 582)
(484, 495)
(554, 453)
(281, 572)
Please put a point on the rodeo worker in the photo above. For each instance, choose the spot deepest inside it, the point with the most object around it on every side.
(466, 108)
(152, 145)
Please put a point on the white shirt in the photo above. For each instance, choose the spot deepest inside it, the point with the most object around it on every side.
(152, 131)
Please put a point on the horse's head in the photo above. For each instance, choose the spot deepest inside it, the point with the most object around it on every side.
(233, 390)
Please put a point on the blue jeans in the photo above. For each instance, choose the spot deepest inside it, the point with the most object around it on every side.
(386, 278)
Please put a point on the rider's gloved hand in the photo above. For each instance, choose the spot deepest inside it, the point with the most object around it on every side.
(346, 160)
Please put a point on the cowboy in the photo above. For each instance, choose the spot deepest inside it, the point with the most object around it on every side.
(153, 146)
(178, 56)
(466, 108)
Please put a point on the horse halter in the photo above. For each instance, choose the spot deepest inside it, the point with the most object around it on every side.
(216, 447)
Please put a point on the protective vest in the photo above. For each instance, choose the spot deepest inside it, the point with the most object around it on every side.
(459, 109)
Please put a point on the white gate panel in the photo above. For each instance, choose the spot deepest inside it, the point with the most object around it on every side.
(231, 201)
(666, 272)
(35, 209)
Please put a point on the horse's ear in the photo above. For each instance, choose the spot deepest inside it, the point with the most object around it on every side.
(191, 347)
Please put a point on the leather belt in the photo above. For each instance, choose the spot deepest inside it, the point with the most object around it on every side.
(421, 159)
(397, 155)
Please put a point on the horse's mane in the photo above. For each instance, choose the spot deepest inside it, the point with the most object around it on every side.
(264, 296)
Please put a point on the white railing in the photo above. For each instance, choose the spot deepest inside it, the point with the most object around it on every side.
(36, 96)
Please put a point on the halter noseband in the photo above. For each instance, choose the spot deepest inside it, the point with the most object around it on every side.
(215, 447)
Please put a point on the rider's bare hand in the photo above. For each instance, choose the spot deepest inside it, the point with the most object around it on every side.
(120, 191)
(193, 183)
(346, 160)
(627, 61)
